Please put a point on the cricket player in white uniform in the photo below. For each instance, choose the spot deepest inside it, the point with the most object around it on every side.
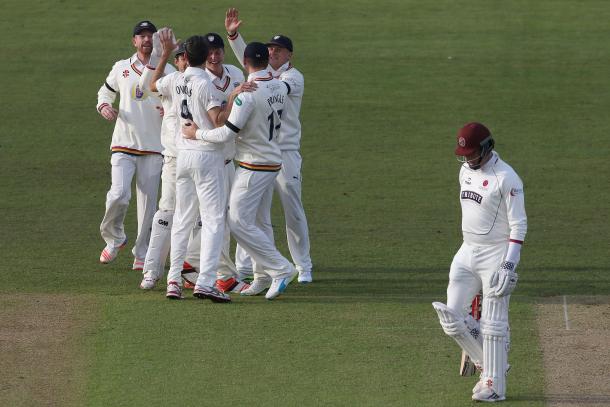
(254, 122)
(165, 85)
(288, 183)
(494, 225)
(136, 148)
(229, 82)
(199, 180)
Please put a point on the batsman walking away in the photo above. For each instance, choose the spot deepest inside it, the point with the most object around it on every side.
(494, 225)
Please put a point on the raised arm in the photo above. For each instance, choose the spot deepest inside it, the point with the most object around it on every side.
(236, 41)
(164, 43)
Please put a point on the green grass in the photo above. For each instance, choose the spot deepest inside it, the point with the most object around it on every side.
(387, 86)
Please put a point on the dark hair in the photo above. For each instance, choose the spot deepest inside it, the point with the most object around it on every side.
(196, 50)
(258, 63)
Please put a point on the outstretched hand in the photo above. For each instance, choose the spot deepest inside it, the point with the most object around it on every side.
(168, 40)
(232, 21)
(245, 87)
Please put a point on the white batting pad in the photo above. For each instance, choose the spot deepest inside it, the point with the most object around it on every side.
(158, 247)
(457, 327)
(495, 329)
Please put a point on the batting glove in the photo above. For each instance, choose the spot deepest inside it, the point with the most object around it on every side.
(504, 281)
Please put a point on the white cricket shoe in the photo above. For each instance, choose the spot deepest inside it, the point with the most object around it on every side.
(257, 287)
(278, 285)
(110, 253)
(304, 276)
(174, 291)
(486, 394)
(211, 293)
(148, 281)
(479, 386)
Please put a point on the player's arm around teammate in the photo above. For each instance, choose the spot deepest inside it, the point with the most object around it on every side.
(289, 181)
(254, 121)
(200, 174)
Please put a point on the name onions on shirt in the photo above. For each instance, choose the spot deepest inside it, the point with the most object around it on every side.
(473, 196)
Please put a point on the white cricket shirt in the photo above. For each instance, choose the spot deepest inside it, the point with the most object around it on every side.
(198, 96)
(171, 99)
(137, 130)
(255, 121)
(290, 133)
(231, 78)
(493, 205)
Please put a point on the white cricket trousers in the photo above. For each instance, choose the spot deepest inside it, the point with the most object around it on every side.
(199, 186)
(226, 267)
(147, 169)
(471, 270)
(246, 206)
(167, 202)
(288, 185)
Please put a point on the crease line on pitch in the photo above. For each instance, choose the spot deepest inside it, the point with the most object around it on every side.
(565, 313)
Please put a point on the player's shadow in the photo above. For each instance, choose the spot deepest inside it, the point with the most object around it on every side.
(418, 285)
(570, 399)
(380, 285)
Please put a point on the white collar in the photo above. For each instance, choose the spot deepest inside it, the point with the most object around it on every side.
(213, 76)
(277, 72)
(195, 71)
(262, 75)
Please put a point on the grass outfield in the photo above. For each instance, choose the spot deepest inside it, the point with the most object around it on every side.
(387, 86)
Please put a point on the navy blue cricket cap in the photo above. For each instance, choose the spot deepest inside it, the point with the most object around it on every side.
(214, 40)
(144, 26)
(257, 51)
(281, 41)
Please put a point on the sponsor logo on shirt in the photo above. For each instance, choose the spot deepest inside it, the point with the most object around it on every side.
(473, 196)
(138, 94)
(468, 182)
(515, 191)
(237, 101)
(125, 73)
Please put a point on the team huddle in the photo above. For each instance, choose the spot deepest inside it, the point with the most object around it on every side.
(222, 143)
(190, 126)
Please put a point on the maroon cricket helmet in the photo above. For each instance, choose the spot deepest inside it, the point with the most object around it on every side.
(471, 138)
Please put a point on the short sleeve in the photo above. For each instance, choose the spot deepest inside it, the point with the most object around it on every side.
(243, 105)
(211, 97)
